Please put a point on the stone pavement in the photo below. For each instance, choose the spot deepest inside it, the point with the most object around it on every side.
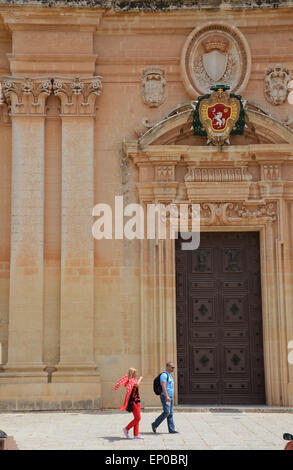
(218, 429)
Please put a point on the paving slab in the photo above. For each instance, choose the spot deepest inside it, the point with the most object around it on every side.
(229, 429)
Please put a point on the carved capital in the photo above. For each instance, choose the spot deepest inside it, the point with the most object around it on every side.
(78, 95)
(26, 95)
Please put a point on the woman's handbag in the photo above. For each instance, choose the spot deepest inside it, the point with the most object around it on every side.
(130, 402)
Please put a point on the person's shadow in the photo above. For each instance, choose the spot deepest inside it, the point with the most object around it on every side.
(113, 439)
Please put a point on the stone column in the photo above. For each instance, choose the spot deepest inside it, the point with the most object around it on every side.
(26, 98)
(78, 98)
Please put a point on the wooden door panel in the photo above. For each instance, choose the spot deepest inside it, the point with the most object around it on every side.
(219, 320)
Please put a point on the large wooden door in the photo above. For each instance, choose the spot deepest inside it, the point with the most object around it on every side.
(219, 320)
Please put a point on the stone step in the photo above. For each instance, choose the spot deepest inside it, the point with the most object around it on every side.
(222, 409)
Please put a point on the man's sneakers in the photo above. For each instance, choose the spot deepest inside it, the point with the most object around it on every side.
(174, 432)
(126, 433)
(138, 437)
(153, 428)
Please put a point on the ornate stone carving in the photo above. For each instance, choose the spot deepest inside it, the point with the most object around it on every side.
(219, 213)
(26, 95)
(266, 211)
(4, 108)
(165, 173)
(271, 172)
(153, 86)
(276, 82)
(213, 53)
(78, 96)
(221, 175)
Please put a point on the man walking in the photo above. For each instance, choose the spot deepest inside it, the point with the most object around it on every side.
(167, 399)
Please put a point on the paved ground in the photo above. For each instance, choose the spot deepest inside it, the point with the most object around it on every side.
(199, 430)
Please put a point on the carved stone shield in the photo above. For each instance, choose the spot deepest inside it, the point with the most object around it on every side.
(215, 63)
(153, 87)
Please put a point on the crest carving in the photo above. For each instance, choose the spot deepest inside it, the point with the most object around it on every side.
(276, 82)
(213, 53)
(153, 86)
(219, 114)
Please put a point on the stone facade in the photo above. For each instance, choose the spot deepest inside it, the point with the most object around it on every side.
(75, 131)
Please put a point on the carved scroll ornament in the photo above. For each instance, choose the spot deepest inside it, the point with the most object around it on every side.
(26, 95)
(227, 212)
(78, 95)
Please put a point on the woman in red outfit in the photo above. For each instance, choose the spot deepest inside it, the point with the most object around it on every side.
(132, 393)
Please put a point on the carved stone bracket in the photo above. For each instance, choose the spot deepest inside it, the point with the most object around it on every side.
(78, 96)
(26, 95)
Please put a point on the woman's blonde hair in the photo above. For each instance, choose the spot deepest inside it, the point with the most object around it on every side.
(131, 372)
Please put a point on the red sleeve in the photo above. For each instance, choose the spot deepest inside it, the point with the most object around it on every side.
(129, 388)
(122, 381)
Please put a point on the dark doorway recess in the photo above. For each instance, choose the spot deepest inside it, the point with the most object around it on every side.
(219, 320)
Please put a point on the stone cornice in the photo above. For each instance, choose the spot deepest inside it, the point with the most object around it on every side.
(116, 16)
(152, 5)
(192, 154)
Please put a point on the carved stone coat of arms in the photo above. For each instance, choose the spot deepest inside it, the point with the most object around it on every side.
(153, 87)
(218, 114)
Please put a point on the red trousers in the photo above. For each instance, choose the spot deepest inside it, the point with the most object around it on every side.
(135, 422)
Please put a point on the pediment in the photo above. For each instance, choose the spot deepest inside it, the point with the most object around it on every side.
(175, 128)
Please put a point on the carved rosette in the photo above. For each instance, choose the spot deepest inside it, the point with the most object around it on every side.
(78, 96)
(26, 95)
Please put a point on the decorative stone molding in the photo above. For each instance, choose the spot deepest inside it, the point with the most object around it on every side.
(271, 172)
(26, 95)
(153, 86)
(221, 175)
(165, 173)
(276, 82)
(225, 213)
(78, 96)
(215, 53)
